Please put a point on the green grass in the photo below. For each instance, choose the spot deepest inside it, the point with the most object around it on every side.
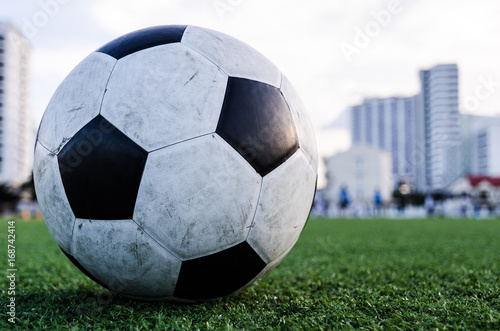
(342, 274)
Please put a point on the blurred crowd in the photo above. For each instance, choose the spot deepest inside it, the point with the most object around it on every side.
(407, 205)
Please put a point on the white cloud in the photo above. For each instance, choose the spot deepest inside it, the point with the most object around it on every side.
(301, 38)
(123, 16)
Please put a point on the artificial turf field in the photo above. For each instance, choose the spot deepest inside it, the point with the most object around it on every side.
(341, 274)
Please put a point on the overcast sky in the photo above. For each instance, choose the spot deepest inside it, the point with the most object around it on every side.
(335, 52)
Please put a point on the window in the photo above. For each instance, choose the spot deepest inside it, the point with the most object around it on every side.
(381, 125)
(368, 124)
(356, 118)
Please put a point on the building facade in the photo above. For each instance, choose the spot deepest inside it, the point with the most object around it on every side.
(488, 155)
(481, 145)
(422, 132)
(388, 124)
(438, 109)
(483, 190)
(16, 127)
(362, 170)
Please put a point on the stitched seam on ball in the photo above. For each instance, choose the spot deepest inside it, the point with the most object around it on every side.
(106, 87)
(156, 241)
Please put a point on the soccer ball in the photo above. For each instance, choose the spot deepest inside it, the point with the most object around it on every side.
(175, 163)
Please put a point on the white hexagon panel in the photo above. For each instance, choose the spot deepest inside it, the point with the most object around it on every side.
(302, 121)
(163, 87)
(52, 198)
(188, 219)
(175, 163)
(236, 58)
(276, 226)
(75, 103)
(135, 264)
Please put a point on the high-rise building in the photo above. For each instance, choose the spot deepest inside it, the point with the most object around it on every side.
(389, 125)
(16, 136)
(421, 132)
(438, 109)
(481, 143)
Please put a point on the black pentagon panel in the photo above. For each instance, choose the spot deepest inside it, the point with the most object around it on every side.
(81, 268)
(219, 274)
(256, 121)
(101, 170)
(143, 39)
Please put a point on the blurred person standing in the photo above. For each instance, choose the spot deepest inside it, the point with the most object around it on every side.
(464, 204)
(377, 203)
(344, 201)
(429, 205)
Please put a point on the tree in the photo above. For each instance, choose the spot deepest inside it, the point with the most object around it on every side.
(8, 194)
